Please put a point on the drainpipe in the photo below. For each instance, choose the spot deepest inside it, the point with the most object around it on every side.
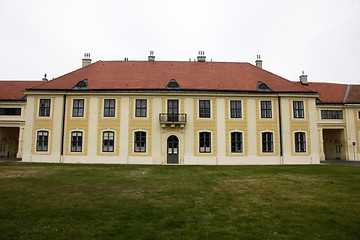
(280, 132)
(62, 131)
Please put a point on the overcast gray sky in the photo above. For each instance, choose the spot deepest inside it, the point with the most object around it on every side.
(321, 37)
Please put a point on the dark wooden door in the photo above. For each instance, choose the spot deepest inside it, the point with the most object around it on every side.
(173, 110)
(173, 150)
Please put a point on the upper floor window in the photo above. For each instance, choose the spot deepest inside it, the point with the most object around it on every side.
(267, 142)
(44, 107)
(76, 141)
(140, 141)
(78, 108)
(109, 108)
(10, 111)
(204, 108)
(42, 141)
(359, 114)
(140, 110)
(331, 114)
(235, 109)
(300, 142)
(266, 111)
(298, 107)
(108, 141)
(236, 142)
(204, 142)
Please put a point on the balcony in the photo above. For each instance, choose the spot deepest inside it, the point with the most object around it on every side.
(172, 119)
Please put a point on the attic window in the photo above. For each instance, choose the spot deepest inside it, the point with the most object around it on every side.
(262, 87)
(83, 84)
(173, 85)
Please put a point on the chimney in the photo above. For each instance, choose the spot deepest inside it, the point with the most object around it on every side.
(86, 60)
(258, 61)
(201, 57)
(151, 57)
(303, 79)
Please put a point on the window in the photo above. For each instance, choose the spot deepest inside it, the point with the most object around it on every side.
(236, 142)
(359, 114)
(267, 142)
(235, 109)
(298, 107)
(300, 142)
(140, 108)
(204, 142)
(109, 108)
(78, 108)
(266, 109)
(76, 141)
(108, 141)
(204, 108)
(140, 141)
(10, 111)
(331, 114)
(44, 108)
(42, 141)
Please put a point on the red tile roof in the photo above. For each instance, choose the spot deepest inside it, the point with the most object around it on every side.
(126, 75)
(329, 92)
(353, 94)
(12, 90)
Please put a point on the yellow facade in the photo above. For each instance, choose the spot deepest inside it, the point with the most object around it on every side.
(220, 124)
(236, 125)
(77, 124)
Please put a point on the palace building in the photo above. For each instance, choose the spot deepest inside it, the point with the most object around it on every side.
(172, 112)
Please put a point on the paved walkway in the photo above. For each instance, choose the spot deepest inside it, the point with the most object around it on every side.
(341, 162)
(2, 159)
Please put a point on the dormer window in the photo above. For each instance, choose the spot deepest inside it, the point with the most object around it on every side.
(173, 85)
(262, 87)
(83, 84)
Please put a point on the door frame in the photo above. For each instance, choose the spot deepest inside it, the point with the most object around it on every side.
(178, 148)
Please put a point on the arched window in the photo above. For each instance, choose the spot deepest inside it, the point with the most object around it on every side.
(300, 142)
(205, 142)
(267, 142)
(76, 141)
(108, 141)
(236, 142)
(140, 141)
(42, 141)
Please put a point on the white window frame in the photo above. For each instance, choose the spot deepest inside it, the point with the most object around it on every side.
(273, 142)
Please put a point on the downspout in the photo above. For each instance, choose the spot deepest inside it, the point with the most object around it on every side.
(63, 131)
(280, 132)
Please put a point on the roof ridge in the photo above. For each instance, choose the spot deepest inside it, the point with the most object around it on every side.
(282, 78)
(347, 93)
(64, 75)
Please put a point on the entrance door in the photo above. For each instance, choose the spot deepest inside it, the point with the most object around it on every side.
(337, 149)
(173, 150)
(173, 110)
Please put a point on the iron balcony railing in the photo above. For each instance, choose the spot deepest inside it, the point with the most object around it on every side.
(172, 118)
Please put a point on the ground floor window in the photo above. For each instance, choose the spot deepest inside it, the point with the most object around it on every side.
(76, 141)
(140, 141)
(236, 142)
(204, 142)
(42, 141)
(108, 141)
(267, 142)
(300, 142)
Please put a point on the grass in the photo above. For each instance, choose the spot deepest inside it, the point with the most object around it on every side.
(54, 201)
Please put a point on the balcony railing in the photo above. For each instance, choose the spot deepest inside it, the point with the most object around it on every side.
(172, 118)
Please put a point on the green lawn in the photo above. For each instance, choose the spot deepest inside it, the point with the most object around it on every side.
(54, 201)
